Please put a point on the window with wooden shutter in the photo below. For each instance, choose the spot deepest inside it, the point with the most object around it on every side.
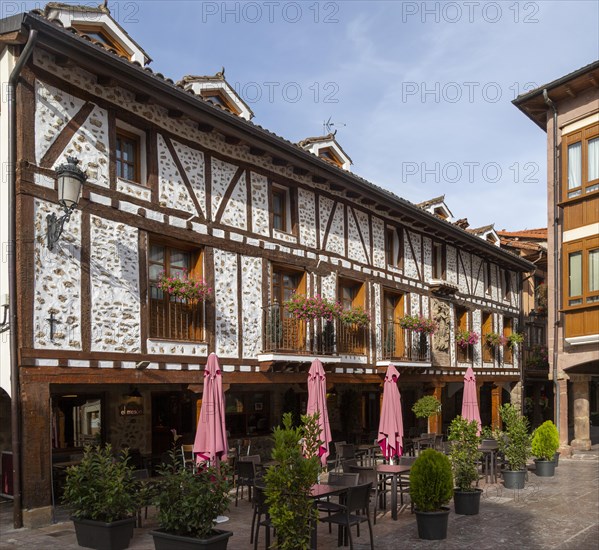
(580, 169)
(487, 328)
(462, 322)
(171, 317)
(508, 328)
(393, 334)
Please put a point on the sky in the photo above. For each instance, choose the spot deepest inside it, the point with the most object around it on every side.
(419, 92)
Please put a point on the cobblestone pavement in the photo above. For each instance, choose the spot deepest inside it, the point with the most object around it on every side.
(550, 513)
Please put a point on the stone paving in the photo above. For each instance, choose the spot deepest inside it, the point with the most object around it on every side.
(560, 512)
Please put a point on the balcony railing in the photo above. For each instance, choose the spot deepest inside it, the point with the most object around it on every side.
(286, 334)
(176, 320)
(400, 344)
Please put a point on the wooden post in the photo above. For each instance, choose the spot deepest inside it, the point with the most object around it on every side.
(435, 424)
(495, 404)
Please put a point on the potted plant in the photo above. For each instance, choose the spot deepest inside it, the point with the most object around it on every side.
(545, 443)
(463, 456)
(431, 487)
(354, 316)
(465, 338)
(495, 340)
(289, 481)
(103, 496)
(426, 407)
(188, 505)
(306, 308)
(515, 338)
(514, 443)
(185, 287)
(423, 327)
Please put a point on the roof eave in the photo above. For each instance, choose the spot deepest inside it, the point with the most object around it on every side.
(233, 125)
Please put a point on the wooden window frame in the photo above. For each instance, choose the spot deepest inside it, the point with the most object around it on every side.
(196, 271)
(486, 325)
(394, 246)
(436, 248)
(463, 313)
(489, 281)
(300, 288)
(289, 208)
(334, 157)
(584, 246)
(359, 298)
(223, 98)
(582, 136)
(508, 329)
(109, 40)
(506, 285)
(131, 137)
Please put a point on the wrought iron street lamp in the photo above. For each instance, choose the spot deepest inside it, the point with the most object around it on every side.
(70, 180)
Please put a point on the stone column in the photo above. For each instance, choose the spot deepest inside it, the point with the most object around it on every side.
(515, 396)
(582, 427)
(495, 404)
(562, 421)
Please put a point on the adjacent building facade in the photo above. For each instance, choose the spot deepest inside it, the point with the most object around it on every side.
(182, 184)
(568, 110)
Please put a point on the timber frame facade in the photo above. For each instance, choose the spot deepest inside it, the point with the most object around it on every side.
(254, 215)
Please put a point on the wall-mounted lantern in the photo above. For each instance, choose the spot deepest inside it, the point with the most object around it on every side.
(70, 181)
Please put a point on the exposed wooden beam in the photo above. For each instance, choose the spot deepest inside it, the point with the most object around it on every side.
(277, 161)
(299, 171)
(257, 152)
(106, 81)
(142, 98)
(336, 187)
(232, 140)
(206, 128)
(319, 179)
(352, 194)
(175, 113)
(62, 60)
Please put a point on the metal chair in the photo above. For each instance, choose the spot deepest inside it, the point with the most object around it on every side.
(260, 517)
(368, 474)
(245, 477)
(356, 510)
(343, 480)
(404, 480)
(188, 458)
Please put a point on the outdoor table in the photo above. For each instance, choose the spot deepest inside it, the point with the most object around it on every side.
(489, 451)
(318, 491)
(393, 470)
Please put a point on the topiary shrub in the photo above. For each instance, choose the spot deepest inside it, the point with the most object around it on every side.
(426, 407)
(431, 481)
(289, 480)
(514, 442)
(464, 452)
(101, 488)
(545, 441)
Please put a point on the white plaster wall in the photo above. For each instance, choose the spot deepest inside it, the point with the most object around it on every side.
(494, 283)
(57, 282)
(171, 189)
(225, 303)
(328, 286)
(90, 145)
(478, 276)
(362, 218)
(355, 248)
(166, 347)
(133, 189)
(235, 213)
(410, 269)
(336, 242)
(53, 110)
(427, 245)
(425, 306)
(251, 297)
(115, 293)
(452, 267)
(6, 66)
(260, 204)
(414, 303)
(378, 242)
(307, 218)
(325, 206)
(192, 162)
(463, 264)
(222, 174)
(452, 330)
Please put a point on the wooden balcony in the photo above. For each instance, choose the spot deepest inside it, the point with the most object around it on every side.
(405, 345)
(176, 320)
(287, 335)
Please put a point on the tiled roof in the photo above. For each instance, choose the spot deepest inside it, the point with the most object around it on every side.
(540, 233)
(304, 143)
(480, 230)
(523, 245)
(38, 14)
(430, 202)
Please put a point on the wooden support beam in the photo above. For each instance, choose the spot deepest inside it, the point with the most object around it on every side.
(318, 179)
(279, 161)
(232, 140)
(175, 113)
(206, 128)
(142, 98)
(257, 152)
(299, 171)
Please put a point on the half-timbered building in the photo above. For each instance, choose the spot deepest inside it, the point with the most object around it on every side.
(179, 178)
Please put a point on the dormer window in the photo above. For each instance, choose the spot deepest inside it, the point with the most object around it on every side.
(441, 213)
(98, 33)
(218, 98)
(327, 153)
